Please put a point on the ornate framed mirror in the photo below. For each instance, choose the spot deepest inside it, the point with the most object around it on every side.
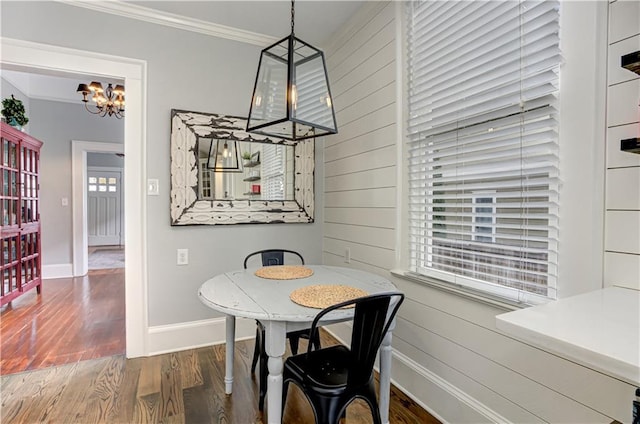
(220, 174)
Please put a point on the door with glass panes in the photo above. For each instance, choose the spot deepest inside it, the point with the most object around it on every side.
(104, 207)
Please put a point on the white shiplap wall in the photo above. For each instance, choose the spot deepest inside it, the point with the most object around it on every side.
(360, 161)
(622, 216)
(448, 354)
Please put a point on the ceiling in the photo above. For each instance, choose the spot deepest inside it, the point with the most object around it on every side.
(315, 22)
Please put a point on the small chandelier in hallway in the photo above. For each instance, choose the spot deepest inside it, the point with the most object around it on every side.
(107, 102)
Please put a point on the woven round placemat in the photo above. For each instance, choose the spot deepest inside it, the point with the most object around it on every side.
(284, 272)
(323, 295)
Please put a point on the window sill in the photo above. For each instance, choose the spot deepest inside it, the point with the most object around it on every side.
(597, 329)
(458, 290)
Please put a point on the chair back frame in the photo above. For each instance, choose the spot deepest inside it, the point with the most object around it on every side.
(371, 322)
(272, 257)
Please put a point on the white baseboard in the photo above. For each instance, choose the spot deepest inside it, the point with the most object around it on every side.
(57, 271)
(190, 335)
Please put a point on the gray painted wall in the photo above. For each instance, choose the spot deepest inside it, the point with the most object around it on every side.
(185, 71)
(105, 159)
(56, 124)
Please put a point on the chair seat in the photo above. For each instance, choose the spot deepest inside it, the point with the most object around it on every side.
(326, 370)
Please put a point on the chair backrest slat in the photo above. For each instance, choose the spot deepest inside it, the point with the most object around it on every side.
(368, 322)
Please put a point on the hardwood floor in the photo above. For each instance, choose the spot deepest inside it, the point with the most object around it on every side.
(76, 320)
(73, 319)
(182, 387)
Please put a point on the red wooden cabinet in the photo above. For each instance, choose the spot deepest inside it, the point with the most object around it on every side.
(20, 261)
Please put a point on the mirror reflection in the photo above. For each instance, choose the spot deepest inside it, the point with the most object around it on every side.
(240, 170)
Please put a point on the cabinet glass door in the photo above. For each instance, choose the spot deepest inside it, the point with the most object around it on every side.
(9, 172)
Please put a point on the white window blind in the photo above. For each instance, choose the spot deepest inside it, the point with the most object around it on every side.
(483, 145)
(273, 172)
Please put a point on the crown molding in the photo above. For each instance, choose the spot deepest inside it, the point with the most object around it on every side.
(132, 11)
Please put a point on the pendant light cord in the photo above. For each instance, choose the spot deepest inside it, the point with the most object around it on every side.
(293, 12)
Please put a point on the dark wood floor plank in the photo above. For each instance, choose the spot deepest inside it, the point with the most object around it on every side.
(77, 392)
(105, 399)
(191, 373)
(129, 389)
(49, 394)
(173, 419)
(150, 376)
(146, 409)
(196, 404)
(171, 402)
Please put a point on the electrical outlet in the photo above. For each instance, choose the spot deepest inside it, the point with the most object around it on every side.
(347, 255)
(183, 256)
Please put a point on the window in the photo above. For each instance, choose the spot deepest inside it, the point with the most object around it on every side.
(204, 179)
(103, 184)
(483, 145)
(484, 218)
(273, 172)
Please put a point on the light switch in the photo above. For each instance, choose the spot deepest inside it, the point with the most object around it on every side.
(65, 201)
(183, 257)
(153, 187)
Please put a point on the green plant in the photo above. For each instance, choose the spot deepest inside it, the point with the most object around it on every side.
(13, 108)
(246, 155)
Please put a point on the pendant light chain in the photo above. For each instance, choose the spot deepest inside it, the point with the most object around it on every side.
(293, 13)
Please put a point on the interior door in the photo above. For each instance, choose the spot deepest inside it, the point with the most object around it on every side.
(104, 207)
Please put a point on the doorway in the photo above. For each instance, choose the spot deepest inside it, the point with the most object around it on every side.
(82, 186)
(35, 57)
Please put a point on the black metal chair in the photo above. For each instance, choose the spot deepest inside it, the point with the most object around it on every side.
(334, 376)
(271, 257)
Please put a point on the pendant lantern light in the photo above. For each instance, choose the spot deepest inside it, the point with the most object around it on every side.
(291, 97)
(224, 156)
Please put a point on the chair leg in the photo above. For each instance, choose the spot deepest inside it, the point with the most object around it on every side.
(294, 341)
(256, 350)
(263, 393)
(370, 398)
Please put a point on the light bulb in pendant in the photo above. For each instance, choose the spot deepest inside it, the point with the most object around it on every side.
(294, 96)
